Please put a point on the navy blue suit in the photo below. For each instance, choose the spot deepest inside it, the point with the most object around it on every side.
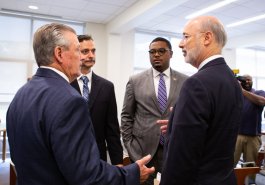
(103, 111)
(52, 140)
(203, 129)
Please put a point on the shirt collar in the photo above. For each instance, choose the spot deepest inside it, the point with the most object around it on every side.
(89, 75)
(166, 72)
(207, 60)
(57, 71)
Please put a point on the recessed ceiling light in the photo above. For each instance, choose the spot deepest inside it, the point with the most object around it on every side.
(245, 21)
(210, 8)
(33, 7)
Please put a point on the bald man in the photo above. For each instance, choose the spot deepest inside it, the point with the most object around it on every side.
(248, 139)
(203, 127)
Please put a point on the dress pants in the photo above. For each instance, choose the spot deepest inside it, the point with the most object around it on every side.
(157, 162)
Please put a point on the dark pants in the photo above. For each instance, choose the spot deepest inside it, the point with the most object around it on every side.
(157, 162)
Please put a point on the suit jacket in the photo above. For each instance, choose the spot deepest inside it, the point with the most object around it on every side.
(103, 111)
(52, 140)
(140, 132)
(203, 129)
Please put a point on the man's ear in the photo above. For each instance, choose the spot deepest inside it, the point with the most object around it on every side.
(58, 54)
(171, 54)
(208, 38)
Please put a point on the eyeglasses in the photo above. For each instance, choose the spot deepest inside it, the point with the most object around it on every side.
(160, 51)
(86, 51)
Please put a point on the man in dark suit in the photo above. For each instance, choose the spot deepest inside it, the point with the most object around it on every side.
(102, 104)
(49, 129)
(204, 123)
(142, 108)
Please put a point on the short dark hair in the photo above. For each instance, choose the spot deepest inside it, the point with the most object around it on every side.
(163, 40)
(81, 38)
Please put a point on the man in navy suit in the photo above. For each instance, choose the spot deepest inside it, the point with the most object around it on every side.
(49, 129)
(204, 123)
(102, 104)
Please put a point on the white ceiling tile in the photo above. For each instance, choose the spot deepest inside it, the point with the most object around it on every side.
(173, 20)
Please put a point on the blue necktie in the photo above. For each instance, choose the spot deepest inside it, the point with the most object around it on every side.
(85, 88)
(162, 100)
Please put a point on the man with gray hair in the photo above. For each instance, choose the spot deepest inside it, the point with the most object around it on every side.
(49, 128)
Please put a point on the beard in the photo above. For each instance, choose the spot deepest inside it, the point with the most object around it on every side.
(246, 86)
(192, 55)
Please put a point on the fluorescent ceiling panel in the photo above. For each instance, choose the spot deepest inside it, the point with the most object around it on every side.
(210, 8)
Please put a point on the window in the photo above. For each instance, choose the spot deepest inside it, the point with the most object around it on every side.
(141, 55)
(252, 62)
(177, 62)
(17, 61)
(15, 38)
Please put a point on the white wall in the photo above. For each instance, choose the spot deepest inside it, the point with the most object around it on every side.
(230, 57)
(98, 33)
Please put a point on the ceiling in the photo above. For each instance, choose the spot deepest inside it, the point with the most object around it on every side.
(160, 16)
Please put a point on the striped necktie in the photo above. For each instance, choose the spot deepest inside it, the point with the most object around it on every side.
(85, 88)
(162, 100)
(162, 93)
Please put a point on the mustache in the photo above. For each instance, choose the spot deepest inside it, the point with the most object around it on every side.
(89, 60)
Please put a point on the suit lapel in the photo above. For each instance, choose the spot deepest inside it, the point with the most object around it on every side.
(95, 88)
(150, 85)
(76, 86)
(173, 87)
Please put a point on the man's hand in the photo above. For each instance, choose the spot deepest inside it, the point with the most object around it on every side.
(163, 123)
(144, 171)
(119, 165)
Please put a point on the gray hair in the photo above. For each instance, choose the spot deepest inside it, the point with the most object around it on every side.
(217, 29)
(46, 38)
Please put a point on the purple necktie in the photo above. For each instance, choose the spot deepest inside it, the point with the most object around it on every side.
(162, 93)
(162, 100)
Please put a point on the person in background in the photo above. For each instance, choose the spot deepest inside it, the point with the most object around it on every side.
(148, 98)
(202, 129)
(102, 104)
(248, 139)
(49, 128)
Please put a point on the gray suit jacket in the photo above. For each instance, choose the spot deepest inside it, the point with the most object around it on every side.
(140, 132)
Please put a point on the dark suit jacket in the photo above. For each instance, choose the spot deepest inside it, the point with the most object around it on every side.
(203, 129)
(103, 111)
(52, 140)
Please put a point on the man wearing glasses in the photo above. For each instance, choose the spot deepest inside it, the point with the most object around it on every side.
(148, 98)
